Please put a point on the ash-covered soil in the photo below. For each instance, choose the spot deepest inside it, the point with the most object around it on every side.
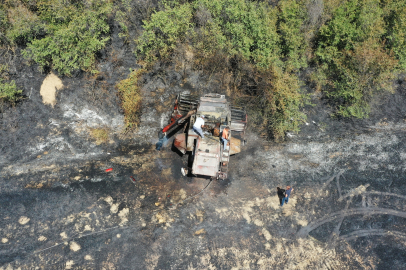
(60, 209)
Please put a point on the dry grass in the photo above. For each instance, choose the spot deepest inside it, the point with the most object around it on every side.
(101, 135)
(131, 98)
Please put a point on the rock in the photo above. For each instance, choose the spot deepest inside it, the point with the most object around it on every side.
(201, 231)
(23, 220)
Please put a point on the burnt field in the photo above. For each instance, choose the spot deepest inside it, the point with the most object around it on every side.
(61, 209)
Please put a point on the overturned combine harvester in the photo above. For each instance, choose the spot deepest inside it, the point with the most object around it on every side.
(206, 155)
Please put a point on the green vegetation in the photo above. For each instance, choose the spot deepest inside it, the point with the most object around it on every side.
(352, 55)
(164, 31)
(394, 14)
(63, 35)
(355, 47)
(130, 95)
(24, 24)
(257, 50)
(283, 103)
(74, 33)
(218, 32)
(291, 19)
(9, 92)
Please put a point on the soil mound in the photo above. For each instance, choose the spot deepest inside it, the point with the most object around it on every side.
(49, 87)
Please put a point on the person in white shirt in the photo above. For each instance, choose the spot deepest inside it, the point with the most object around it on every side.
(197, 126)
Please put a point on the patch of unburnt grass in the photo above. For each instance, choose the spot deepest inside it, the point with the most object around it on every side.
(101, 135)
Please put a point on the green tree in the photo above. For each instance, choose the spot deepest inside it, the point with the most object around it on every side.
(164, 31)
(395, 35)
(291, 17)
(353, 57)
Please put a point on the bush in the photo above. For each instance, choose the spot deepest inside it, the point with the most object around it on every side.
(24, 25)
(360, 73)
(353, 57)
(130, 14)
(291, 17)
(284, 100)
(395, 35)
(227, 34)
(245, 29)
(9, 92)
(74, 35)
(277, 103)
(164, 31)
(131, 99)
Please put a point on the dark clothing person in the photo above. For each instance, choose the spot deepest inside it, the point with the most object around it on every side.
(287, 194)
(281, 194)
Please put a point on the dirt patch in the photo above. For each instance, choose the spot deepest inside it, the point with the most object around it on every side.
(23, 220)
(74, 246)
(49, 87)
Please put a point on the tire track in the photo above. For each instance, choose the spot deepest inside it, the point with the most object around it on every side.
(336, 231)
(303, 232)
(374, 193)
(363, 233)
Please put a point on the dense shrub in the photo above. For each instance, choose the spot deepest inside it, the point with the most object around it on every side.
(257, 48)
(395, 33)
(130, 14)
(74, 35)
(291, 17)
(164, 31)
(284, 101)
(217, 33)
(64, 35)
(353, 57)
(24, 24)
(8, 90)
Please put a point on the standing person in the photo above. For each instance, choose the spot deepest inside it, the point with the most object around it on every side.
(281, 194)
(225, 136)
(287, 194)
(197, 126)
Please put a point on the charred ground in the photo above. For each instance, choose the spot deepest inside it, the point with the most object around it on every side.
(60, 209)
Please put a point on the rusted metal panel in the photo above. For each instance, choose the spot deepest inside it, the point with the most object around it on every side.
(180, 143)
(235, 146)
(207, 158)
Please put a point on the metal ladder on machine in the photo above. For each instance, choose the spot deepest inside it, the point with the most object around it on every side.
(225, 157)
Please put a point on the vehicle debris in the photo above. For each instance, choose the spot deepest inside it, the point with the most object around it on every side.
(207, 155)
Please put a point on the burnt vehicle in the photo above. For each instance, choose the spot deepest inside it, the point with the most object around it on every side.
(207, 156)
